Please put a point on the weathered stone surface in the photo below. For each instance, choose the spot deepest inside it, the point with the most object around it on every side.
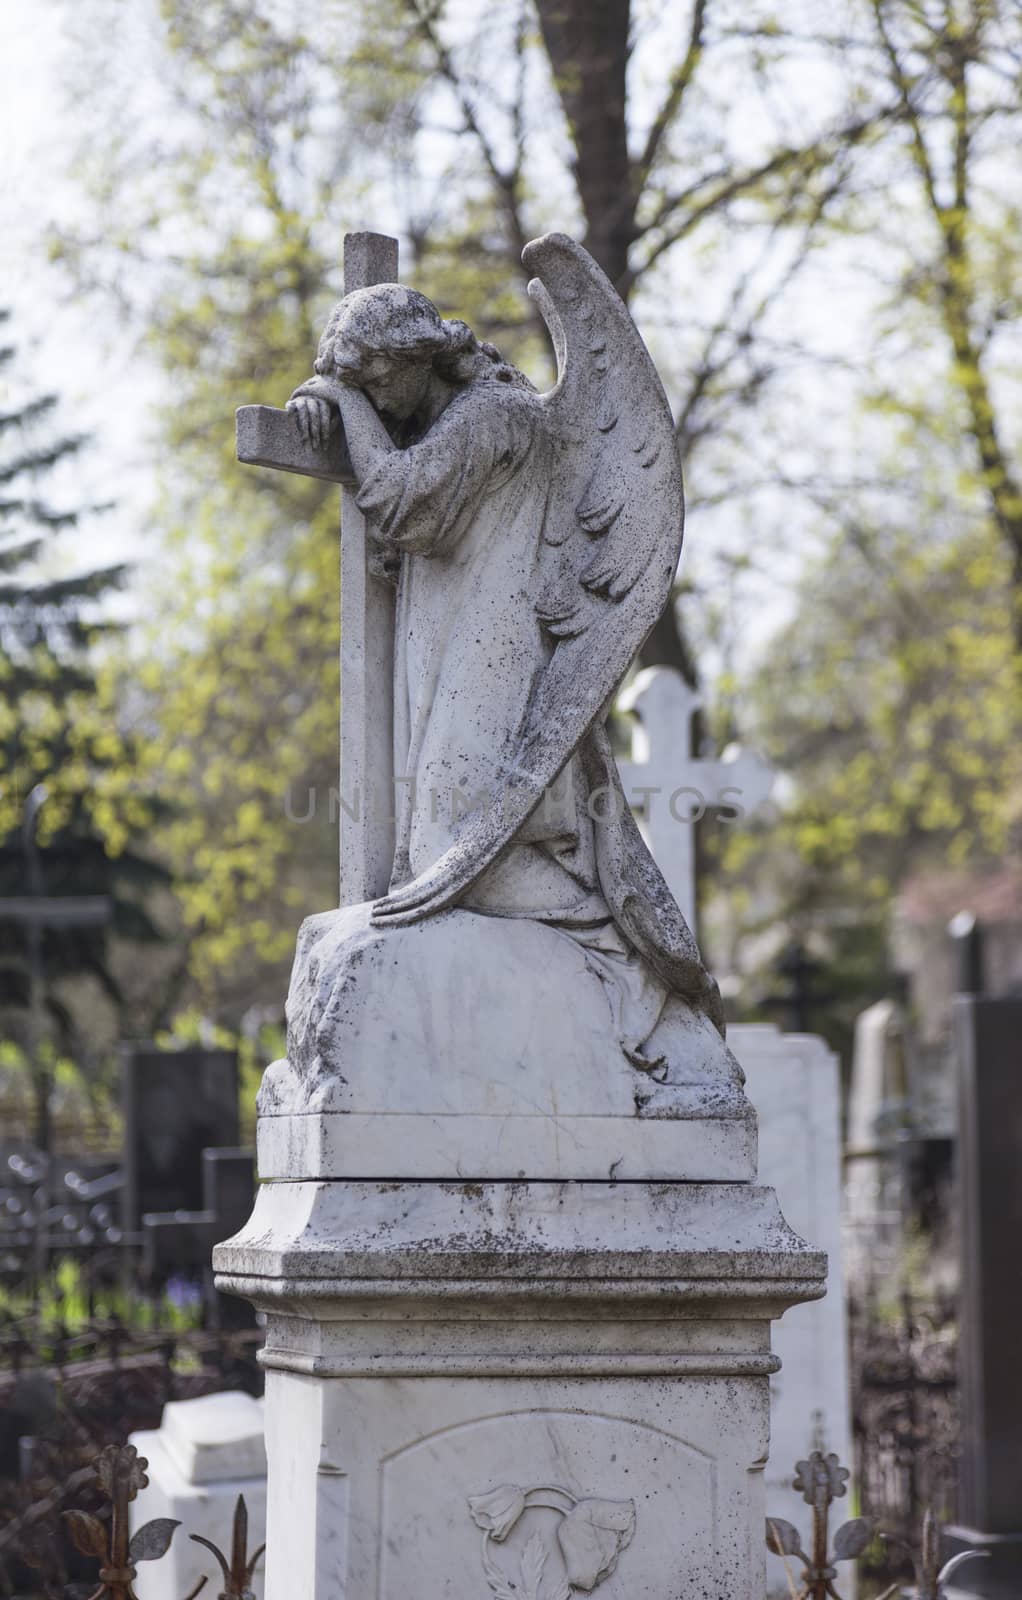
(376, 1498)
(487, 1047)
(525, 1001)
(431, 1345)
(535, 539)
(267, 437)
(495, 1239)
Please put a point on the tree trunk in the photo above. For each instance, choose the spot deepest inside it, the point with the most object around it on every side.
(588, 46)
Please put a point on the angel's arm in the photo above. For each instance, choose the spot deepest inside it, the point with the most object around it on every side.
(315, 403)
(369, 443)
(425, 498)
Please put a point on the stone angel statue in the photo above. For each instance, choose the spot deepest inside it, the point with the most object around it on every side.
(535, 538)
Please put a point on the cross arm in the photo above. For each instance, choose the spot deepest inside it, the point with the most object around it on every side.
(58, 911)
(270, 438)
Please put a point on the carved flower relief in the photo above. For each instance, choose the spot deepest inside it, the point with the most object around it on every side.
(592, 1537)
(497, 1512)
(591, 1534)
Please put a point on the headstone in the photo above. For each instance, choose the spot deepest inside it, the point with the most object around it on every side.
(966, 935)
(176, 1103)
(203, 1455)
(228, 1193)
(794, 1081)
(984, 908)
(801, 999)
(175, 1249)
(178, 1243)
(989, 1056)
(877, 1113)
(228, 1185)
(492, 1361)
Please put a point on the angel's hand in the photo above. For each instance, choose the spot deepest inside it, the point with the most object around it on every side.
(315, 419)
(433, 890)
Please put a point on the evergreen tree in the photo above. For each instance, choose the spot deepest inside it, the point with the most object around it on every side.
(71, 818)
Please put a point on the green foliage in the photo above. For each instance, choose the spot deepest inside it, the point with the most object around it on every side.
(62, 1309)
(57, 730)
(892, 697)
(892, 700)
(218, 226)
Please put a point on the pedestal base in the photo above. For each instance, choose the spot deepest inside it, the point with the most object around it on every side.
(530, 1388)
(378, 1500)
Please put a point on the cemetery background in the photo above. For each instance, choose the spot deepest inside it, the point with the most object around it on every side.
(894, 739)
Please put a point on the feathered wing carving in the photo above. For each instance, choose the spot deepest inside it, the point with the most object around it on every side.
(611, 544)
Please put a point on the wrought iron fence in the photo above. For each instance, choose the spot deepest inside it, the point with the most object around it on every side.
(813, 1574)
(49, 1544)
(64, 1397)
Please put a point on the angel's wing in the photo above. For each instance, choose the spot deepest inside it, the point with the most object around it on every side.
(611, 543)
(614, 526)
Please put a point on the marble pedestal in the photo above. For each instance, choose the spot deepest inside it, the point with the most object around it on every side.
(436, 1349)
(518, 1290)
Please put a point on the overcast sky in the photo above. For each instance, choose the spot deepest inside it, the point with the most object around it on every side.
(105, 387)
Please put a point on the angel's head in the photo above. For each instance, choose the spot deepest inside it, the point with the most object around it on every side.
(393, 343)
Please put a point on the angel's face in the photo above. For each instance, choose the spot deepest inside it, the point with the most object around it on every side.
(396, 384)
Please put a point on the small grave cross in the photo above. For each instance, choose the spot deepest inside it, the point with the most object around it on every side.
(802, 997)
(268, 437)
(670, 788)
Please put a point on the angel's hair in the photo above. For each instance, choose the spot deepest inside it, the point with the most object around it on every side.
(392, 321)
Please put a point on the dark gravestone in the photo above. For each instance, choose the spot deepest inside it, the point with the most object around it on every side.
(176, 1247)
(228, 1187)
(966, 935)
(988, 1046)
(176, 1103)
(179, 1244)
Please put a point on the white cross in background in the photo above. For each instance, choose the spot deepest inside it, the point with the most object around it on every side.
(670, 788)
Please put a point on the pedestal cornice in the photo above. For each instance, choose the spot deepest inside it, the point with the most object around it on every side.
(366, 1277)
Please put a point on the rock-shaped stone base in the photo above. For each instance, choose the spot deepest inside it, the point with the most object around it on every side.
(475, 1047)
(529, 1390)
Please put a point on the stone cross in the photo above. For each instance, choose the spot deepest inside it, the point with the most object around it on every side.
(670, 788)
(268, 437)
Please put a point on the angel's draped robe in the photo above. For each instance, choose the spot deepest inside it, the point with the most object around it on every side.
(467, 506)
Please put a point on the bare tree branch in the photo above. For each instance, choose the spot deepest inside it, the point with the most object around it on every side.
(671, 106)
